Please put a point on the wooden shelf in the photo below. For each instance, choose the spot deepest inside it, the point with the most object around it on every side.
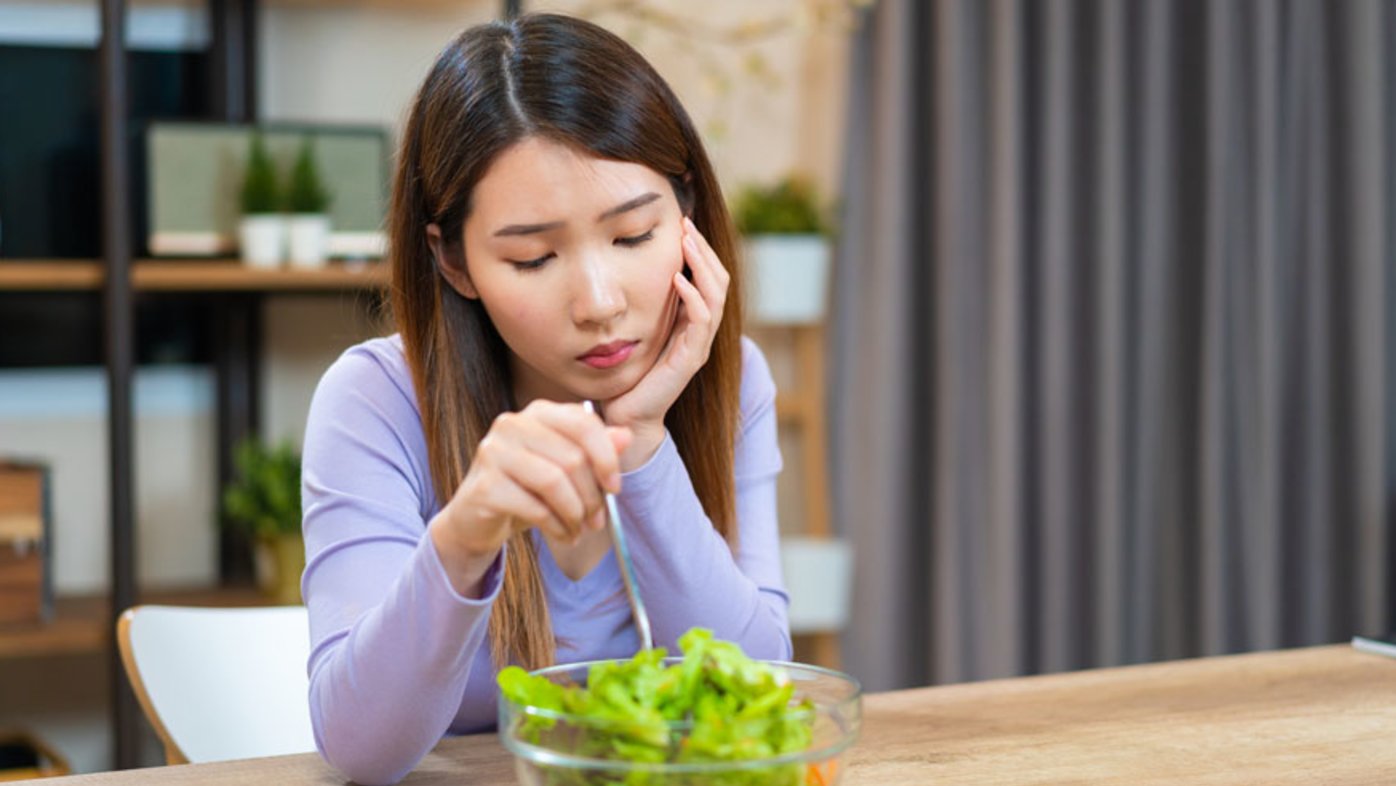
(81, 623)
(191, 275)
(406, 5)
(49, 275)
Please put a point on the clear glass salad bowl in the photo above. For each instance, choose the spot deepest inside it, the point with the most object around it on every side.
(554, 748)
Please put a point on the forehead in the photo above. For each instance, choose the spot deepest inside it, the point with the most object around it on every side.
(537, 180)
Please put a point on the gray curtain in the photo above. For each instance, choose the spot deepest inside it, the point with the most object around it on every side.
(1112, 357)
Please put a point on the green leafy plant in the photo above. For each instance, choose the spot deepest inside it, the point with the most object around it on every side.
(265, 499)
(261, 189)
(307, 193)
(788, 207)
(717, 705)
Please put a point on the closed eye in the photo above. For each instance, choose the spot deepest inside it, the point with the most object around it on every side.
(531, 264)
(635, 240)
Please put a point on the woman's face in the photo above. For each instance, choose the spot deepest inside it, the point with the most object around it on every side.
(573, 258)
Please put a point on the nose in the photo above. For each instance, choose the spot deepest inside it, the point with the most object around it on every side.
(599, 296)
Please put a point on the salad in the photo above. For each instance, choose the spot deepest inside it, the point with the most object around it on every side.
(715, 705)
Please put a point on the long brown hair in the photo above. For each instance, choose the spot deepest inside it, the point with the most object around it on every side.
(571, 82)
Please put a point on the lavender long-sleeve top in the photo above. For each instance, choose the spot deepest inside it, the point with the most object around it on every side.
(399, 658)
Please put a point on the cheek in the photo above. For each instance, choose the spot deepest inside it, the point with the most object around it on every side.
(518, 313)
(659, 272)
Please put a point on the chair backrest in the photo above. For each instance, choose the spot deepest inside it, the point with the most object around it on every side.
(220, 683)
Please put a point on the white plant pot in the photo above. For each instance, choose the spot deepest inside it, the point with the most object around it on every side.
(787, 278)
(310, 239)
(819, 580)
(262, 240)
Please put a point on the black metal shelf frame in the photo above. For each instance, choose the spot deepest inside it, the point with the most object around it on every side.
(233, 82)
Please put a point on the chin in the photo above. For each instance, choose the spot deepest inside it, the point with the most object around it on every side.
(610, 389)
(607, 388)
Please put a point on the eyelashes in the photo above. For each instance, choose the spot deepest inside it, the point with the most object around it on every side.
(624, 242)
(635, 240)
(531, 264)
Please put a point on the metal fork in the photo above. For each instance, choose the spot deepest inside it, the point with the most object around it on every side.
(627, 568)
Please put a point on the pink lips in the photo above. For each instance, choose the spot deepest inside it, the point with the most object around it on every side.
(608, 355)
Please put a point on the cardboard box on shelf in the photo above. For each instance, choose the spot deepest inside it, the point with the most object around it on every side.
(26, 585)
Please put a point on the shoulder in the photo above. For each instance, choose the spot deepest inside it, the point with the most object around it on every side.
(376, 367)
(364, 416)
(371, 377)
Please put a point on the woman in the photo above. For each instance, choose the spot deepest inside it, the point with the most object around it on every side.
(556, 235)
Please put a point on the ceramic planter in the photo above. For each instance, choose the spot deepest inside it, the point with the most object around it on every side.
(310, 239)
(262, 240)
(279, 563)
(787, 278)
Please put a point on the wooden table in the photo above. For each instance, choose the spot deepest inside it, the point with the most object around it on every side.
(1321, 715)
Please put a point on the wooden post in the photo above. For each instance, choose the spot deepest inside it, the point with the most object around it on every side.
(821, 648)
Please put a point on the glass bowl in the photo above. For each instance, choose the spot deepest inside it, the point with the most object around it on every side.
(566, 753)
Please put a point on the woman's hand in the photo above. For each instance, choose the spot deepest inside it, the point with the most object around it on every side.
(642, 408)
(547, 466)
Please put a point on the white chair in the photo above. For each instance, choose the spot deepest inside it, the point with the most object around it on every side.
(220, 683)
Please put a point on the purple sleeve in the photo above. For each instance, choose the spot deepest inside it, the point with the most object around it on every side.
(688, 575)
(391, 641)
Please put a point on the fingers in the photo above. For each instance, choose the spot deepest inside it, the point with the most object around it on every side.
(547, 482)
(696, 313)
(564, 464)
(525, 510)
(588, 434)
(562, 458)
(703, 298)
(709, 274)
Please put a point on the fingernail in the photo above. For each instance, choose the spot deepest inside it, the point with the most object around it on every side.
(613, 483)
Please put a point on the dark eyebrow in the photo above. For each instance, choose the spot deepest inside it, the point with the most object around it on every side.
(533, 229)
(625, 207)
(527, 229)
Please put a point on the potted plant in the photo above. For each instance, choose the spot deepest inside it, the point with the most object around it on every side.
(787, 251)
(308, 201)
(262, 232)
(265, 503)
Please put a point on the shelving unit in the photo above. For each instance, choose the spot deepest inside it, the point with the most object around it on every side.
(234, 298)
(800, 409)
(80, 623)
(191, 275)
(84, 624)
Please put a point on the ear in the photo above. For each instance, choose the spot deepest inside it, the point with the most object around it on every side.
(452, 266)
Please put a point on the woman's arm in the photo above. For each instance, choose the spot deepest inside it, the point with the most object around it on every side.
(391, 641)
(687, 573)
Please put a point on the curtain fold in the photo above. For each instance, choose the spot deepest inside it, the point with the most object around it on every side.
(1112, 352)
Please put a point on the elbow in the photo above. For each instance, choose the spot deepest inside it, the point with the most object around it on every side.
(366, 755)
(782, 647)
(768, 635)
(367, 765)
